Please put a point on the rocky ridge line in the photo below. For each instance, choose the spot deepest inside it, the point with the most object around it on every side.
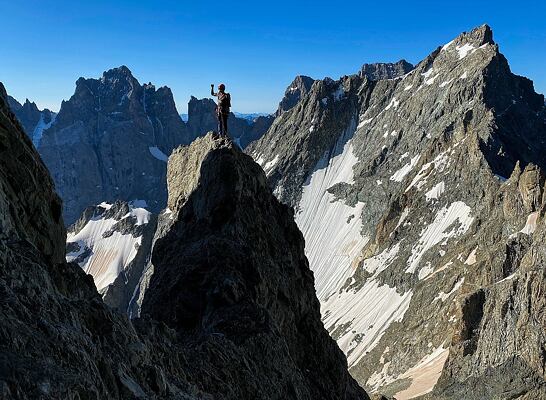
(59, 340)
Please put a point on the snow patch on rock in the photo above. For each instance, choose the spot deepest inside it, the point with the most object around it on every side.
(109, 254)
(393, 103)
(331, 228)
(435, 192)
(443, 296)
(399, 175)
(424, 375)
(464, 50)
(365, 314)
(449, 222)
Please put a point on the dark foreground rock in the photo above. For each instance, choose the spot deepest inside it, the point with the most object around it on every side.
(233, 266)
(58, 340)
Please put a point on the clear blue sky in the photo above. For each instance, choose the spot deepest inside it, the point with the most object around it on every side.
(256, 48)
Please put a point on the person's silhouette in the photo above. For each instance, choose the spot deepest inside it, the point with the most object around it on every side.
(222, 109)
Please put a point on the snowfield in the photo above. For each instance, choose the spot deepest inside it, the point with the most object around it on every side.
(109, 251)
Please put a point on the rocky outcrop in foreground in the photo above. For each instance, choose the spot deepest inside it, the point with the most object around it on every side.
(238, 327)
(232, 265)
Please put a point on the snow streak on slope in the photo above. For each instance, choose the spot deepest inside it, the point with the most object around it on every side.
(331, 228)
(449, 222)
(41, 126)
(333, 244)
(424, 375)
(367, 313)
(109, 251)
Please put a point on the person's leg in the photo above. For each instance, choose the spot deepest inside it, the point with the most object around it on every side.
(219, 118)
(224, 121)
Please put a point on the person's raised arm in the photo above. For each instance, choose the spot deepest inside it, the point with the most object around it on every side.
(212, 90)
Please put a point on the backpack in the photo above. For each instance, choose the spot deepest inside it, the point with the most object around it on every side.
(225, 103)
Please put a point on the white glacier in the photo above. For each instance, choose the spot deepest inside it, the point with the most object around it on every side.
(109, 255)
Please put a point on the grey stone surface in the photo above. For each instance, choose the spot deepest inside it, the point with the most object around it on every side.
(378, 71)
(98, 149)
(434, 149)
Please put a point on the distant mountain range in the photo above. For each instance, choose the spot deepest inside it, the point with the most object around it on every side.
(111, 140)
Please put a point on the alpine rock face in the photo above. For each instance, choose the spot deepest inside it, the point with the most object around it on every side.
(111, 141)
(377, 71)
(421, 200)
(299, 87)
(227, 324)
(33, 120)
(231, 249)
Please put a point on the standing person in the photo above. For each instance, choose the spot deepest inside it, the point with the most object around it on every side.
(222, 109)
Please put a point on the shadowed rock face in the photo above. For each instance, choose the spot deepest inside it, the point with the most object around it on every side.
(30, 210)
(58, 340)
(232, 265)
(111, 141)
(299, 87)
(33, 120)
(421, 200)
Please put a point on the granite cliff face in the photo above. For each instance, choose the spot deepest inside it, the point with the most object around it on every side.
(59, 340)
(421, 200)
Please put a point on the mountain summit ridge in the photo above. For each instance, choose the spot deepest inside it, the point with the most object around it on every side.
(415, 237)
